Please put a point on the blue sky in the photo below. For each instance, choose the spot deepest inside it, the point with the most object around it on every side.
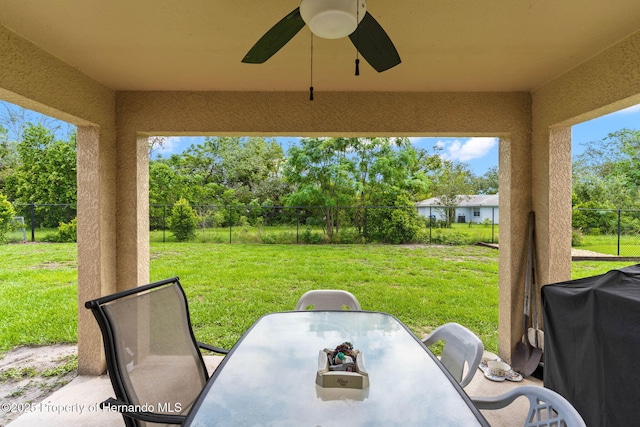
(479, 153)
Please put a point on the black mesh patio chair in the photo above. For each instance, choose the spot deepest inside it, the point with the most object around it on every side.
(153, 359)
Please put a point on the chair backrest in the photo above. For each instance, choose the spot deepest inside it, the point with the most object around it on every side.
(546, 407)
(152, 356)
(327, 299)
(461, 346)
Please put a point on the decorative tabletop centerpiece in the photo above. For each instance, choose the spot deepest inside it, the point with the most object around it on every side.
(342, 367)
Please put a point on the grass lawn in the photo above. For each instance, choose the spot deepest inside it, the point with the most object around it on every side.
(457, 234)
(38, 294)
(608, 244)
(230, 286)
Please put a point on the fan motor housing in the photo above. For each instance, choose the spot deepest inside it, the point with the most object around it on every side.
(332, 19)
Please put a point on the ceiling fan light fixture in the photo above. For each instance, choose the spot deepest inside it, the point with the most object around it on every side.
(332, 19)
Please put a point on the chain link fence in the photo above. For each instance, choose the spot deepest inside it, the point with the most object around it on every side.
(608, 232)
(40, 222)
(320, 224)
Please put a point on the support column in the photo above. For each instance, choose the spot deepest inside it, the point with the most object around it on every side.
(96, 239)
(132, 210)
(552, 203)
(515, 204)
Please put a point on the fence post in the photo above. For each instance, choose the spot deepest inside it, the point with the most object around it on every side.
(297, 224)
(365, 228)
(230, 224)
(493, 223)
(33, 222)
(619, 228)
(164, 222)
(430, 224)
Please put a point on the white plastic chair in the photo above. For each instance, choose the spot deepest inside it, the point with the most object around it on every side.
(546, 407)
(461, 345)
(327, 299)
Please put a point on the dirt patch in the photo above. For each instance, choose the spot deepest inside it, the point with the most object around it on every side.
(584, 252)
(574, 252)
(53, 265)
(30, 374)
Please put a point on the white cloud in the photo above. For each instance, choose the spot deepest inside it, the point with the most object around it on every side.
(177, 144)
(630, 110)
(170, 144)
(464, 151)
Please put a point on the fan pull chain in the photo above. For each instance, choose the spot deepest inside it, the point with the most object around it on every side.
(357, 37)
(311, 68)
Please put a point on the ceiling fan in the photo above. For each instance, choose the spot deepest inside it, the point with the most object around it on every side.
(330, 19)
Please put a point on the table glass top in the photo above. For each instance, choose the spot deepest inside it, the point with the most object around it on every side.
(269, 378)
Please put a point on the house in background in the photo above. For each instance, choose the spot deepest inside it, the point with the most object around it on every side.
(476, 208)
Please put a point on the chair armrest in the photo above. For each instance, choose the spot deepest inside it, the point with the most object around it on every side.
(151, 417)
(212, 348)
(497, 402)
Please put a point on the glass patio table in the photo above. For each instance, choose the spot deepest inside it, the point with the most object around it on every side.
(269, 377)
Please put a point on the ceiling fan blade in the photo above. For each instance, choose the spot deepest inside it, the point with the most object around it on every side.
(374, 44)
(274, 39)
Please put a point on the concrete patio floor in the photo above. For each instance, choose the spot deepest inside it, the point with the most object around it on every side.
(76, 404)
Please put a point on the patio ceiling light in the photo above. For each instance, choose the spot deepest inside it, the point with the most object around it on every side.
(332, 19)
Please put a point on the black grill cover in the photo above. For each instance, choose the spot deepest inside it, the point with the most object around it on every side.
(592, 345)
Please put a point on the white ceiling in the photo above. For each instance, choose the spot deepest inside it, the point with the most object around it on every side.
(445, 45)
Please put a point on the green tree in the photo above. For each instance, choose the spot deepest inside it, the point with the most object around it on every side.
(609, 170)
(322, 174)
(452, 183)
(595, 217)
(398, 222)
(46, 175)
(183, 221)
(249, 166)
(16, 120)
(487, 183)
(6, 218)
(389, 171)
(155, 143)
(364, 172)
(9, 157)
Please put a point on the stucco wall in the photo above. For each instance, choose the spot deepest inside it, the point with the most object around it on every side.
(607, 82)
(534, 154)
(352, 113)
(33, 79)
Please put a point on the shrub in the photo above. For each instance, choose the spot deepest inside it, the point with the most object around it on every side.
(68, 231)
(594, 231)
(576, 237)
(183, 221)
(348, 236)
(449, 237)
(285, 237)
(7, 212)
(311, 237)
(243, 222)
(630, 226)
(594, 215)
(213, 218)
(269, 238)
(401, 227)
